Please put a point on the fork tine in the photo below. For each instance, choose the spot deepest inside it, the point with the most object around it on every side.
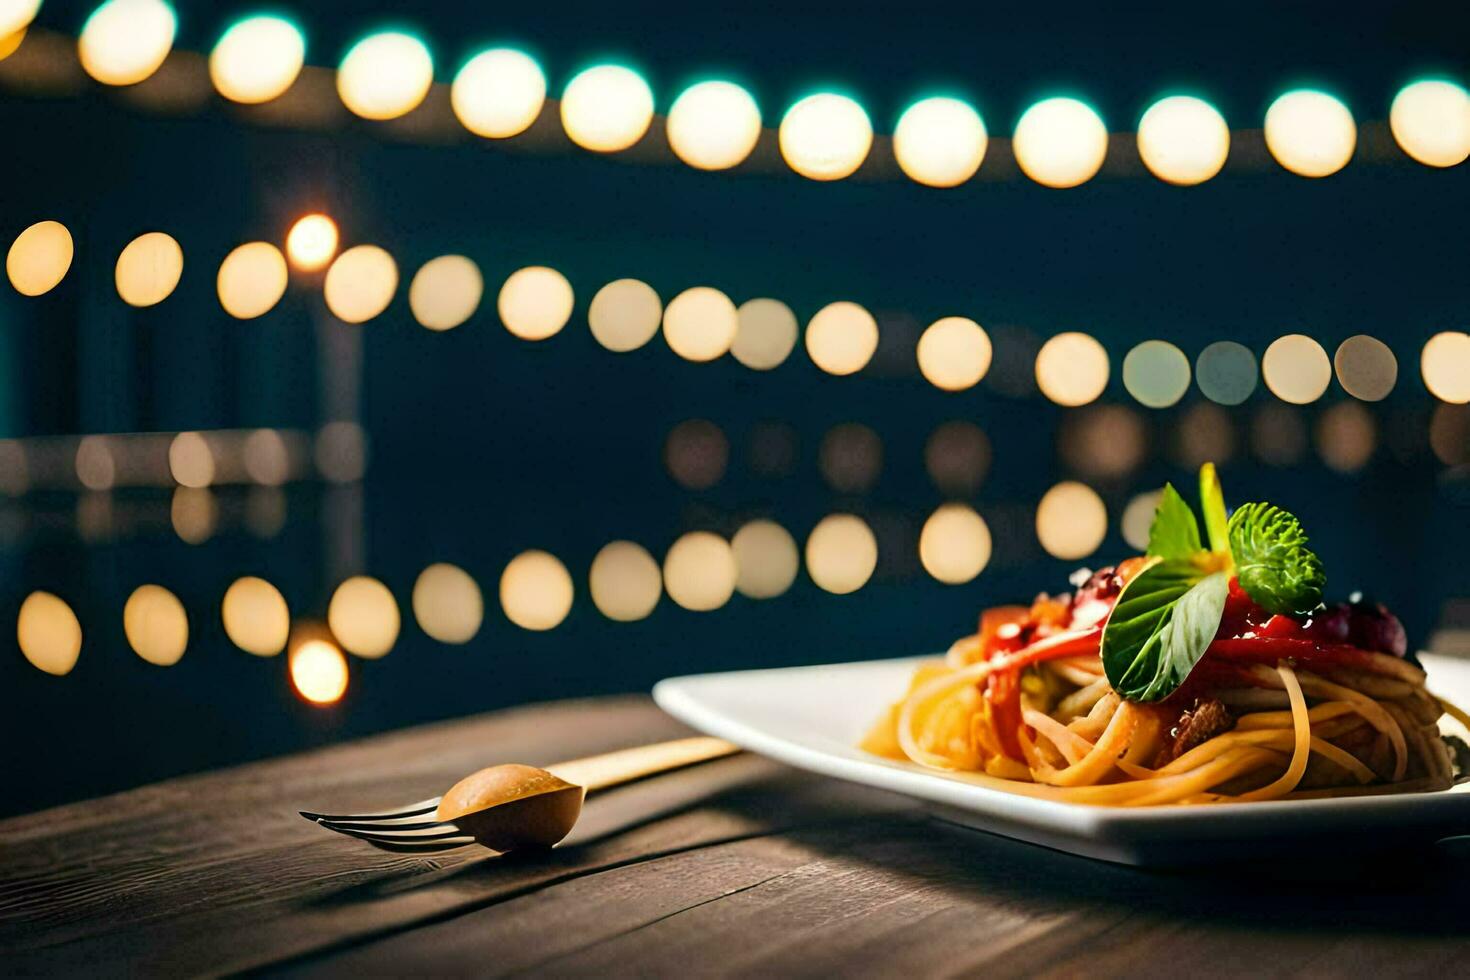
(410, 810)
(412, 832)
(407, 841)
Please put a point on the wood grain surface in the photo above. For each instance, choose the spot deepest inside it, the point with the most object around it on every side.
(737, 867)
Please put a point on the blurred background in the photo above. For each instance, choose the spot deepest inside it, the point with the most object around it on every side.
(353, 377)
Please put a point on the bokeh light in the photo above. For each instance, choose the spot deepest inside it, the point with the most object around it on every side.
(825, 136)
(360, 284)
(498, 93)
(954, 353)
(251, 280)
(15, 476)
(1366, 368)
(311, 242)
(625, 581)
(625, 314)
(954, 545)
(257, 59)
(940, 142)
(766, 559)
(148, 269)
(16, 15)
(1103, 441)
(535, 302)
(445, 292)
(95, 467)
(340, 452)
(447, 603)
(1310, 133)
(607, 108)
(319, 672)
(696, 454)
(265, 511)
(1183, 140)
(957, 457)
(1346, 437)
(1430, 120)
(841, 338)
(1445, 365)
(1138, 518)
(190, 460)
(1156, 373)
(841, 553)
(1226, 372)
(125, 41)
(1278, 435)
(1205, 434)
(10, 42)
(850, 458)
(1071, 521)
(774, 449)
(1060, 142)
(536, 590)
(1072, 369)
(1449, 434)
(714, 125)
(700, 324)
(194, 513)
(765, 333)
(39, 258)
(1296, 369)
(156, 625)
(363, 616)
(255, 616)
(700, 571)
(385, 75)
(49, 634)
(266, 457)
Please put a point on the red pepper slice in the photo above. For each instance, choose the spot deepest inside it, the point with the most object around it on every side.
(1269, 650)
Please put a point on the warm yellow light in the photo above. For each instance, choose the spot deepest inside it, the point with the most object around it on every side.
(1204, 433)
(954, 353)
(10, 43)
(940, 142)
(96, 469)
(252, 280)
(625, 581)
(1310, 133)
(700, 572)
(1431, 122)
(340, 452)
(700, 324)
(498, 93)
(311, 242)
(957, 457)
(1366, 368)
(16, 15)
(1445, 364)
(607, 108)
(1346, 437)
(385, 75)
(255, 616)
(1449, 434)
(825, 136)
(841, 338)
(448, 604)
(148, 269)
(1071, 521)
(1072, 369)
(257, 59)
(766, 559)
(765, 333)
(319, 672)
(536, 591)
(190, 460)
(267, 460)
(445, 292)
(48, 633)
(1060, 142)
(363, 616)
(1226, 372)
(850, 458)
(535, 302)
(1296, 369)
(625, 314)
(1183, 140)
(696, 454)
(1138, 518)
(125, 41)
(156, 625)
(39, 258)
(194, 513)
(955, 544)
(360, 284)
(714, 125)
(841, 553)
(1103, 440)
(1156, 373)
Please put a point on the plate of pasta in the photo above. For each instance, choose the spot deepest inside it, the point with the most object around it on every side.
(1201, 702)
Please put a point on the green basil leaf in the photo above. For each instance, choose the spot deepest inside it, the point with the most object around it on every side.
(1212, 501)
(1174, 533)
(1275, 566)
(1159, 629)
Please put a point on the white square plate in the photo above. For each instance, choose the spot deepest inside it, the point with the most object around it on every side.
(813, 717)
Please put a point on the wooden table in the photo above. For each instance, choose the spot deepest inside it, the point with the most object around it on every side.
(737, 867)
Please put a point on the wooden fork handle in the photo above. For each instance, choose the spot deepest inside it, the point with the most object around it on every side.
(614, 768)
